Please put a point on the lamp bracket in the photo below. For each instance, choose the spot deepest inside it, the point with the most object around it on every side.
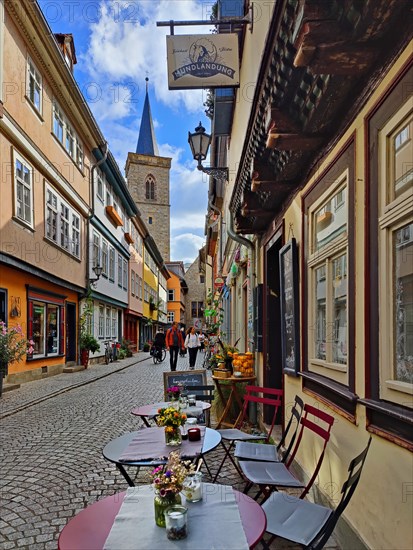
(220, 174)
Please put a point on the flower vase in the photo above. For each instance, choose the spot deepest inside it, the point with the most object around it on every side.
(162, 503)
(173, 436)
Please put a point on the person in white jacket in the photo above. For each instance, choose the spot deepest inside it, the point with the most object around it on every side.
(192, 344)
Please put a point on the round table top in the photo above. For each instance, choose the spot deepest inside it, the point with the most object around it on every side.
(114, 449)
(151, 410)
(89, 529)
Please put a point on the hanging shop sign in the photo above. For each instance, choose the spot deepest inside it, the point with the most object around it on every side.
(202, 61)
(218, 283)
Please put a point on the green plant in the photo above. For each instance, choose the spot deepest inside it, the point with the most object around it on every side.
(88, 342)
(13, 345)
(121, 354)
(214, 314)
(146, 346)
(126, 348)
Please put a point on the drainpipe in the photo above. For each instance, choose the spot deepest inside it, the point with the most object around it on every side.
(251, 246)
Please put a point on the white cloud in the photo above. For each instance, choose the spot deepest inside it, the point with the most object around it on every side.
(123, 49)
(185, 247)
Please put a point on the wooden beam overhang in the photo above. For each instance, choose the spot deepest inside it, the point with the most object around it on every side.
(301, 113)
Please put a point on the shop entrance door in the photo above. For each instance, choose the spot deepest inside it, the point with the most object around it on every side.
(70, 332)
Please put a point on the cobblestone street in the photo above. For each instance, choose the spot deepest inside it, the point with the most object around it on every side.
(52, 436)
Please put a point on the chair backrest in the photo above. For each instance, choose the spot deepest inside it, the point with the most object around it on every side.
(258, 394)
(203, 393)
(349, 486)
(296, 413)
(321, 429)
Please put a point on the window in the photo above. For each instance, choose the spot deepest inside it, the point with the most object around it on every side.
(111, 263)
(114, 323)
(139, 287)
(44, 324)
(150, 188)
(76, 235)
(171, 316)
(132, 284)
(65, 134)
(202, 279)
(34, 85)
(62, 223)
(328, 362)
(171, 295)
(389, 266)
(125, 275)
(100, 186)
(120, 270)
(96, 249)
(105, 259)
(108, 320)
(146, 292)
(64, 226)
(327, 273)
(51, 215)
(395, 237)
(197, 309)
(23, 190)
(150, 220)
(101, 321)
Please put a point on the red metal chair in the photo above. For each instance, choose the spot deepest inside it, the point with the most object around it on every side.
(307, 523)
(271, 475)
(246, 450)
(254, 394)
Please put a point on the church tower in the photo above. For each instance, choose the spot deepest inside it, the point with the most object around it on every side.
(148, 181)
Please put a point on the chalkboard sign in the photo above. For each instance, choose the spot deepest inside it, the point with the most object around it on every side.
(185, 378)
(290, 335)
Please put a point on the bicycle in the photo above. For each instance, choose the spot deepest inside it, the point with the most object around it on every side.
(158, 354)
(108, 352)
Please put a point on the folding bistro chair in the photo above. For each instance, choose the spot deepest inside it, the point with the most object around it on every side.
(203, 393)
(271, 475)
(236, 434)
(246, 450)
(307, 523)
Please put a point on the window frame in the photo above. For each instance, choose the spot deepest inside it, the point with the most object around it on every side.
(17, 157)
(171, 292)
(150, 188)
(67, 136)
(341, 395)
(389, 420)
(29, 77)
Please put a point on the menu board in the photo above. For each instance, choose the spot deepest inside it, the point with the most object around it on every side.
(290, 336)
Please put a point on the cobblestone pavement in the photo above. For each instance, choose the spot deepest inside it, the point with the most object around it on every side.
(51, 440)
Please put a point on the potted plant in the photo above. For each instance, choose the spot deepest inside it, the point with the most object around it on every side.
(13, 345)
(88, 343)
(146, 346)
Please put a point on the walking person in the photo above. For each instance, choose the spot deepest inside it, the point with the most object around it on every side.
(192, 344)
(174, 342)
(201, 337)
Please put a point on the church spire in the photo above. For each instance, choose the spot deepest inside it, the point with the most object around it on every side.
(146, 141)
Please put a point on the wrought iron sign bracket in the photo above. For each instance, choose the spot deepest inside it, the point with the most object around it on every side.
(246, 20)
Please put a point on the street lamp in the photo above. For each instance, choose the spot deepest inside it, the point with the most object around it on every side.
(97, 269)
(199, 141)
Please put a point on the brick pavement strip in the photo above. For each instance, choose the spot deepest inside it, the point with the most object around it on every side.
(53, 433)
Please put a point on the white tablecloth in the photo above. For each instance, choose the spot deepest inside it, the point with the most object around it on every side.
(214, 523)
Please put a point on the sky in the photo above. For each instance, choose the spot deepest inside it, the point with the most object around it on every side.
(117, 46)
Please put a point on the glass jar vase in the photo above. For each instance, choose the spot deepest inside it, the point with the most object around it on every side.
(161, 504)
(173, 436)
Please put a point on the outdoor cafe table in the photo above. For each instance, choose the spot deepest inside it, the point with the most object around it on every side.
(89, 529)
(234, 396)
(146, 411)
(114, 449)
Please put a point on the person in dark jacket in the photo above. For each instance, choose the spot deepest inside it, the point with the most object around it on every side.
(174, 342)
